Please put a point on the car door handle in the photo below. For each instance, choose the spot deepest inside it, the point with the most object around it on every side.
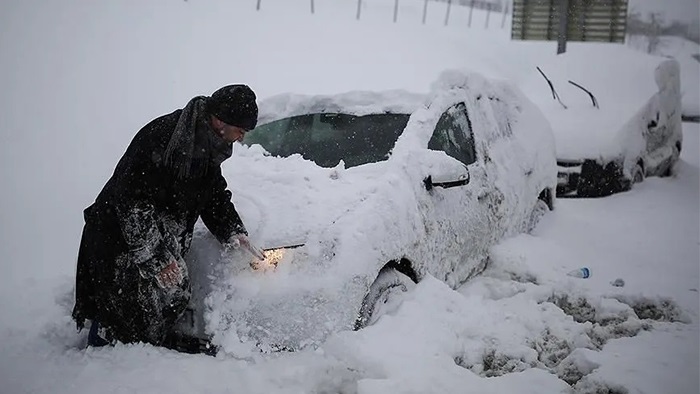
(429, 184)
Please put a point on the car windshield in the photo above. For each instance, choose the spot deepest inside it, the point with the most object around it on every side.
(327, 138)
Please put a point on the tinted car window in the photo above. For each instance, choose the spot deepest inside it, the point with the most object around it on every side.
(453, 135)
(327, 138)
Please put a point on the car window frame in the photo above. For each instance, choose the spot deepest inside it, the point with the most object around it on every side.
(466, 157)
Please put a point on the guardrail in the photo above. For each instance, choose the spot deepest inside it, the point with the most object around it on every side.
(502, 7)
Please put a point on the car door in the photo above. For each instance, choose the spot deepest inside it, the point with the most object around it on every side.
(458, 216)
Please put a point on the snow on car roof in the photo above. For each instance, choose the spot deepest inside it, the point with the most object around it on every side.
(621, 79)
(355, 102)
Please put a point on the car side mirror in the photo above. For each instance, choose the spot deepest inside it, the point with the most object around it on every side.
(447, 181)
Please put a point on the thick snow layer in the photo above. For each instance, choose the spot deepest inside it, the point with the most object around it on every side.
(355, 102)
(80, 77)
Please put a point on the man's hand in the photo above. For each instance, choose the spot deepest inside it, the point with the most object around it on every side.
(170, 276)
(241, 240)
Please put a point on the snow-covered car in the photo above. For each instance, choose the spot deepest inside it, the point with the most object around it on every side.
(359, 195)
(615, 113)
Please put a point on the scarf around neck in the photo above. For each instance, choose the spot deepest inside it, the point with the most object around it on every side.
(193, 146)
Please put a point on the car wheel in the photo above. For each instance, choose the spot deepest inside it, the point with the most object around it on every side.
(637, 174)
(384, 296)
(536, 214)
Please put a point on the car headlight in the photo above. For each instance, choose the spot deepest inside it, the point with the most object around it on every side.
(273, 257)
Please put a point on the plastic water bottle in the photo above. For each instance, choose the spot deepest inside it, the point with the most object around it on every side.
(582, 273)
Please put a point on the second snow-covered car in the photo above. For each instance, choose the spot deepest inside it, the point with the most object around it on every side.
(615, 114)
(356, 196)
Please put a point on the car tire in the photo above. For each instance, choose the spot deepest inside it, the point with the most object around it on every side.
(637, 174)
(536, 214)
(384, 296)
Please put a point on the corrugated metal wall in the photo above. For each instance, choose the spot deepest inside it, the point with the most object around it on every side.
(589, 20)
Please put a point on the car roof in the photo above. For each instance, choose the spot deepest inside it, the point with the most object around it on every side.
(353, 103)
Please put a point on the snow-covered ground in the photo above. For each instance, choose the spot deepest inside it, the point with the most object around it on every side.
(80, 77)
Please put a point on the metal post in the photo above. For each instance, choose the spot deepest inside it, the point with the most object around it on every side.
(396, 10)
(312, 6)
(551, 21)
(523, 24)
(447, 15)
(583, 14)
(563, 25)
(258, 8)
(425, 11)
(613, 25)
(505, 12)
(359, 7)
(471, 11)
(488, 14)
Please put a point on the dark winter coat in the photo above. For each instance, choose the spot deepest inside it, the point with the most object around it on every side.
(142, 220)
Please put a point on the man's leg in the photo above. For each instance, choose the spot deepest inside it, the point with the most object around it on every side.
(97, 336)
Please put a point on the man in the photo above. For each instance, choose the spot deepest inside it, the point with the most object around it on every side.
(132, 281)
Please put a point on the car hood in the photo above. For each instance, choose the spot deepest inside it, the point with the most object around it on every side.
(282, 201)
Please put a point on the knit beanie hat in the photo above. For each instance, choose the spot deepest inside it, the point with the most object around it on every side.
(234, 105)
